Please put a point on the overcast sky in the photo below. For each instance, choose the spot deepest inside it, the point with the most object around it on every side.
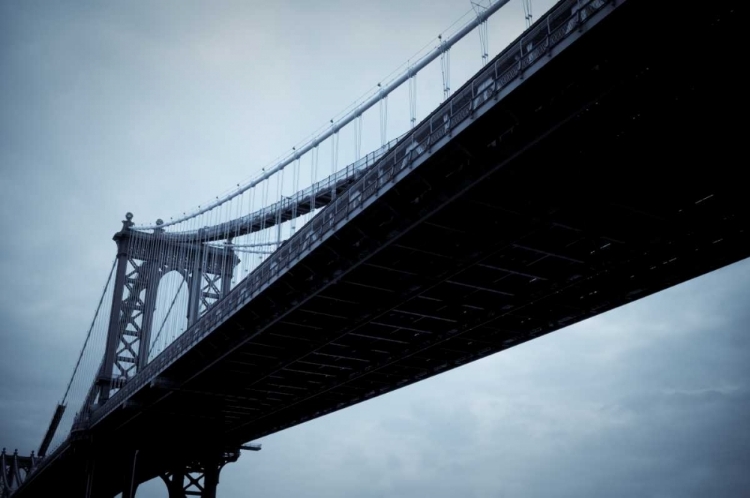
(108, 107)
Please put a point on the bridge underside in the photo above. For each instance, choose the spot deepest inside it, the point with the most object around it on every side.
(609, 175)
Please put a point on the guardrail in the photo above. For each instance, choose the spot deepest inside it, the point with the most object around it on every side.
(245, 224)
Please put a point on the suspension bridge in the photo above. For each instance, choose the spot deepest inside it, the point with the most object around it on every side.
(590, 163)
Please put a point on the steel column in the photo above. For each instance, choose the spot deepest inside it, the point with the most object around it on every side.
(153, 276)
(104, 379)
(195, 281)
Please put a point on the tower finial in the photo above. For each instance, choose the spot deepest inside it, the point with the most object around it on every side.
(127, 222)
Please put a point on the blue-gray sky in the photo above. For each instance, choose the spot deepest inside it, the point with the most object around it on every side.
(156, 107)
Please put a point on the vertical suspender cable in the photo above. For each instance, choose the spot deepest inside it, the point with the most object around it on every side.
(280, 189)
(527, 15)
(383, 116)
(413, 99)
(445, 67)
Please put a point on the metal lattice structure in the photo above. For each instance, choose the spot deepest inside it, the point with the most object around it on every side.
(142, 260)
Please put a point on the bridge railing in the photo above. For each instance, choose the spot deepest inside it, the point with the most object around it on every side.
(245, 224)
(495, 79)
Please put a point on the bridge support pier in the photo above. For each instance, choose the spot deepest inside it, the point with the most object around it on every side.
(198, 477)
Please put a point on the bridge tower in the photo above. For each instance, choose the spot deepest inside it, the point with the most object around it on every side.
(198, 477)
(13, 470)
(142, 260)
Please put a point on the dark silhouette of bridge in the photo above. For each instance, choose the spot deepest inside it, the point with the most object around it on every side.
(593, 162)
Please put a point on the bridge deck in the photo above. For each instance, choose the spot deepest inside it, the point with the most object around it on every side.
(608, 175)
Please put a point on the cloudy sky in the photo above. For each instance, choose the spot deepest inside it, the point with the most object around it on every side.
(155, 107)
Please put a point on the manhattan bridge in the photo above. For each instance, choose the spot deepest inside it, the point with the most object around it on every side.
(592, 162)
